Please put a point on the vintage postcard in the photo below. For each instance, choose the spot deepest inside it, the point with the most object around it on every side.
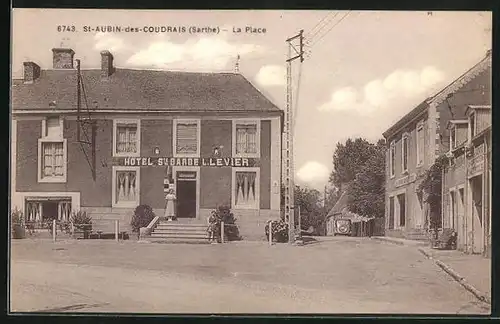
(251, 161)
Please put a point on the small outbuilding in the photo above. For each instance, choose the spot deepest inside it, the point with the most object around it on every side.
(359, 225)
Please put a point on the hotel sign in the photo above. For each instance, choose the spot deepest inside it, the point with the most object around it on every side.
(476, 164)
(406, 180)
(175, 161)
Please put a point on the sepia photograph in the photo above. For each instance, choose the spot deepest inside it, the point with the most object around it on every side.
(250, 162)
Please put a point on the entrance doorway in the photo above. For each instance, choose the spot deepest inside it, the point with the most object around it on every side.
(462, 226)
(476, 187)
(186, 194)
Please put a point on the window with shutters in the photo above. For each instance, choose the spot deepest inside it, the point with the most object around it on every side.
(420, 144)
(246, 138)
(404, 153)
(392, 159)
(391, 213)
(472, 127)
(453, 137)
(52, 151)
(187, 138)
(246, 188)
(126, 186)
(402, 209)
(126, 137)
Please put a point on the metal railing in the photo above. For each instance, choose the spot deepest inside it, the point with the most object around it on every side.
(97, 229)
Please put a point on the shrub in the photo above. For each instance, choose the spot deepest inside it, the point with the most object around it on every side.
(279, 230)
(81, 221)
(223, 214)
(16, 216)
(17, 220)
(143, 215)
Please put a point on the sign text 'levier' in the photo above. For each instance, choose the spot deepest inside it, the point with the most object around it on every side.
(171, 161)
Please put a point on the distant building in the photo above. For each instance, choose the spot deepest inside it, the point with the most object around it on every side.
(361, 225)
(212, 137)
(417, 139)
(467, 180)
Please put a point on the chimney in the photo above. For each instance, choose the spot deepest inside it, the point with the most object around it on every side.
(31, 72)
(107, 67)
(62, 58)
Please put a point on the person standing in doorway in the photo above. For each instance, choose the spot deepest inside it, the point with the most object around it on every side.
(170, 205)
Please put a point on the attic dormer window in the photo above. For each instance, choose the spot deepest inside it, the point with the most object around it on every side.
(472, 126)
(53, 127)
(453, 138)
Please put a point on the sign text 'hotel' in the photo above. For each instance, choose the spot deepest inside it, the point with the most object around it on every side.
(206, 162)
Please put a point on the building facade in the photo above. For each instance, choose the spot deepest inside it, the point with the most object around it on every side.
(107, 140)
(417, 139)
(467, 181)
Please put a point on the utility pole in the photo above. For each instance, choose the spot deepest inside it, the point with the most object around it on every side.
(288, 156)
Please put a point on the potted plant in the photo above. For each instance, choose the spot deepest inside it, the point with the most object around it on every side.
(279, 230)
(82, 222)
(17, 221)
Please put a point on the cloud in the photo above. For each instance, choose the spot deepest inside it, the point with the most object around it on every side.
(271, 75)
(203, 53)
(341, 99)
(313, 172)
(386, 93)
(106, 41)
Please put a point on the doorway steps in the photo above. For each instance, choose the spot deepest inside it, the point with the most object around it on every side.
(174, 232)
(416, 234)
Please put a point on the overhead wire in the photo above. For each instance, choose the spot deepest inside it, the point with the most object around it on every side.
(333, 26)
(313, 34)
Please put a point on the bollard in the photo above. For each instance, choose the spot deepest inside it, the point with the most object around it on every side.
(270, 233)
(222, 232)
(116, 229)
(54, 230)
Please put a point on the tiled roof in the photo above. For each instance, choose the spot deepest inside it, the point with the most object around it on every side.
(128, 89)
(341, 211)
(339, 205)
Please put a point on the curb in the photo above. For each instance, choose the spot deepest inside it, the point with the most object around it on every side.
(410, 243)
(383, 239)
(455, 275)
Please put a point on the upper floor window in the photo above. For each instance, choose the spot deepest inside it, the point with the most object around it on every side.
(392, 159)
(472, 126)
(187, 137)
(52, 151)
(246, 138)
(126, 137)
(453, 138)
(420, 144)
(404, 153)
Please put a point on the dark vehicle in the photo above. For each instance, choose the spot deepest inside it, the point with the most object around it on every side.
(343, 227)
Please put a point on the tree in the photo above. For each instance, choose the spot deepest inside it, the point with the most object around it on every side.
(366, 193)
(349, 160)
(311, 211)
(310, 202)
(430, 190)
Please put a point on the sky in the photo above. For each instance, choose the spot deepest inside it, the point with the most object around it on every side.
(363, 70)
